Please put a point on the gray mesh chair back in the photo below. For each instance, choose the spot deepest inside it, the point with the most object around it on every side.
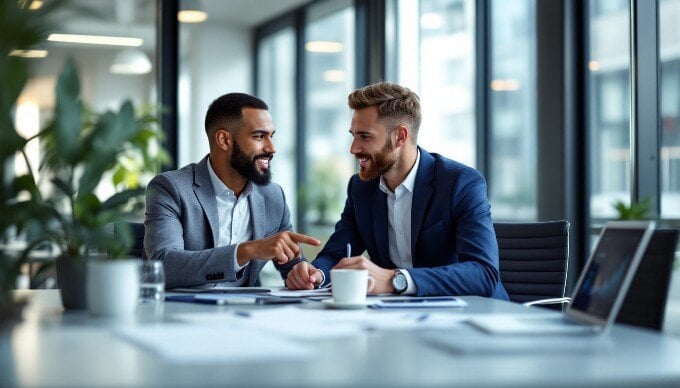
(645, 302)
(533, 259)
(137, 230)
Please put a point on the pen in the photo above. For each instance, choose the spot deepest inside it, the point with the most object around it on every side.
(349, 250)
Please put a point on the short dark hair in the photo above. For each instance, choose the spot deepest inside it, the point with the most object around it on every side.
(226, 111)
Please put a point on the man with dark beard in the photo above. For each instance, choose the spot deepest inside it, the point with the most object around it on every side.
(217, 222)
(424, 219)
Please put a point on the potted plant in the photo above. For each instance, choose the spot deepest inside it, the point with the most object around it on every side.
(19, 29)
(82, 148)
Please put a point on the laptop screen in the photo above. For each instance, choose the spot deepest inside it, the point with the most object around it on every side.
(606, 272)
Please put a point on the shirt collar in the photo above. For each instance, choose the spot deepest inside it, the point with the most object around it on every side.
(221, 189)
(408, 183)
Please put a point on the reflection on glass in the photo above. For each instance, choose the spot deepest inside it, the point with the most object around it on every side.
(214, 59)
(441, 32)
(109, 74)
(329, 55)
(513, 110)
(609, 106)
(669, 46)
(276, 77)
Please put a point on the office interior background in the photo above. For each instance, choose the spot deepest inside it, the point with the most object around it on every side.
(564, 106)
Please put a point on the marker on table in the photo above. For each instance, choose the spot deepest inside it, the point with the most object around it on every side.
(349, 250)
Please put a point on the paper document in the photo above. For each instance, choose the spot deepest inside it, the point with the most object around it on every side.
(182, 343)
(302, 293)
(223, 290)
(230, 299)
(419, 302)
(311, 324)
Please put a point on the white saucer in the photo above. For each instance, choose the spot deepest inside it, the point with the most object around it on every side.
(348, 306)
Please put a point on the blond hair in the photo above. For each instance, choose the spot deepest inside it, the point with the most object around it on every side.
(393, 102)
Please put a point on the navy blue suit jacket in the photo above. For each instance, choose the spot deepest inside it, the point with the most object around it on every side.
(453, 243)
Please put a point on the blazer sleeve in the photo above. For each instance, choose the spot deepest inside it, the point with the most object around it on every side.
(285, 225)
(476, 270)
(164, 240)
(346, 231)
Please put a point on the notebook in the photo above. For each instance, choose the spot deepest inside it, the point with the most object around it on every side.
(599, 292)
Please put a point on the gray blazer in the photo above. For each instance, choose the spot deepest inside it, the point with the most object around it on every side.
(182, 227)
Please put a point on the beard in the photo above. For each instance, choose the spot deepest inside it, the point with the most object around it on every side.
(247, 166)
(379, 163)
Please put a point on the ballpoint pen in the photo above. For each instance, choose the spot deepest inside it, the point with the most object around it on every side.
(349, 249)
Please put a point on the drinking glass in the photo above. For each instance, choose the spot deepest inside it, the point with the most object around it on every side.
(152, 281)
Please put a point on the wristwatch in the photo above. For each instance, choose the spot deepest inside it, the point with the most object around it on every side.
(399, 282)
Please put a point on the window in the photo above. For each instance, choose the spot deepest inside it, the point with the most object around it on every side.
(512, 178)
(441, 33)
(329, 78)
(609, 108)
(215, 58)
(109, 74)
(669, 161)
(276, 86)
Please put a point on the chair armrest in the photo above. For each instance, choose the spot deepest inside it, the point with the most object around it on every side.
(548, 301)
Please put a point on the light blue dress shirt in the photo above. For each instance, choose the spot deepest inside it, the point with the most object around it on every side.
(399, 204)
(234, 220)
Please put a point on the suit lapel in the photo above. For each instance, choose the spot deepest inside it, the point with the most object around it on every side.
(257, 213)
(379, 209)
(421, 197)
(205, 193)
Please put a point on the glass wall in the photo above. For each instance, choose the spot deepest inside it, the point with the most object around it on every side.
(669, 58)
(441, 33)
(609, 105)
(276, 86)
(113, 45)
(512, 178)
(329, 77)
(215, 58)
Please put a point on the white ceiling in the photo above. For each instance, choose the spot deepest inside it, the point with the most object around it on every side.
(248, 13)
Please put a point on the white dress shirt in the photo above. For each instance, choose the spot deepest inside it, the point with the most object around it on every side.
(399, 223)
(234, 220)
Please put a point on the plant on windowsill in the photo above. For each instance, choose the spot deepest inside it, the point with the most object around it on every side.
(634, 211)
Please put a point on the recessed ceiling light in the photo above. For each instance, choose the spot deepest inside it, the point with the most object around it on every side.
(96, 39)
(191, 11)
(35, 4)
(501, 85)
(323, 46)
(29, 53)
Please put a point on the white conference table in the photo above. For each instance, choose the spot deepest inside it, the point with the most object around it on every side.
(51, 347)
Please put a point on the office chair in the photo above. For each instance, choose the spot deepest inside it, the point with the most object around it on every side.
(137, 230)
(533, 261)
(645, 302)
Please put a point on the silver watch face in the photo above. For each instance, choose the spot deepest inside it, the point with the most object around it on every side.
(399, 282)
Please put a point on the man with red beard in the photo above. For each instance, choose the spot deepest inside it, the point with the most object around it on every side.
(217, 222)
(424, 220)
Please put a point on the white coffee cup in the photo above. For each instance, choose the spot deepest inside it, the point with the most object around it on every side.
(349, 286)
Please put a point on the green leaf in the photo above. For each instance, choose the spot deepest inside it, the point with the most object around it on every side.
(119, 175)
(68, 113)
(64, 187)
(121, 199)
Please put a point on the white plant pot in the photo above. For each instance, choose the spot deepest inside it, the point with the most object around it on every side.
(113, 287)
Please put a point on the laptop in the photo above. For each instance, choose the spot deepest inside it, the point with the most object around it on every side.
(599, 292)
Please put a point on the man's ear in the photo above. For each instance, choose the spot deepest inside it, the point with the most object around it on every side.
(223, 139)
(402, 135)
